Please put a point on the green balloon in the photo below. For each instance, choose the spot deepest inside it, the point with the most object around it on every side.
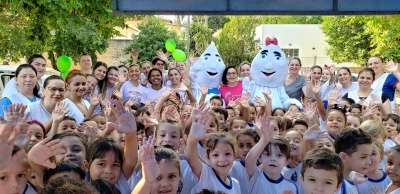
(170, 45)
(64, 63)
(64, 74)
(179, 55)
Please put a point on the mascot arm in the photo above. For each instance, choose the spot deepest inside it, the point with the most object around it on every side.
(286, 101)
(248, 86)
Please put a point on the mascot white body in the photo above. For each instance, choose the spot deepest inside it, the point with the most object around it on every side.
(268, 71)
(207, 70)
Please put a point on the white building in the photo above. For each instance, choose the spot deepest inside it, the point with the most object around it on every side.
(306, 41)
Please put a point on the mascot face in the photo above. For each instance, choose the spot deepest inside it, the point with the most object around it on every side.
(269, 68)
(210, 67)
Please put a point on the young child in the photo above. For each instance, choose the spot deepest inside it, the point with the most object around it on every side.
(100, 119)
(220, 113)
(273, 153)
(300, 125)
(276, 124)
(220, 149)
(64, 169)
(246, 139)
(231, 113)
(64, 185)
(63, 124)
(168, 134)
(335, 121)
(378, 132)
(278, 113)
(353, 120)
(252, 116)
(237, 123)
(104, 187)
(187, 110)
(393, 170)
(356, 109)
(391, 122)
(354, 147)
(37, 131)
(375, 178)
(346, 102)
(216, 101)
(322, 172)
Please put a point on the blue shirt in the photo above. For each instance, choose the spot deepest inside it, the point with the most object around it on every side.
(389, 87)
(6, 102)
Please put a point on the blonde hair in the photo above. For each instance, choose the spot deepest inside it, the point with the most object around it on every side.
(375, 129)
(170, 121)
(380, 148)
(169, 156)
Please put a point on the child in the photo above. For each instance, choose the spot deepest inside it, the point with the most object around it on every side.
(220, 113)
(252, 116)
(246, 140)
(273, 154)
(278, 113)
(378, 132)
(64, 169)
(231, 113)
(393, 170)
(216, 101)
(14, 174)
(375, 177)
(168, 134)
(37, 131)
(353, 120)
(187, 110)
(322, 172)
(276, 124)
(300, 125)
(237, 123)
(391, 122)
(63, 124)
(161, 171)
(65, 185)
(335, 121)
(100, 119)
(220, 151)
(346, 102)
(354, 147)
(356, 109)
(104, 187)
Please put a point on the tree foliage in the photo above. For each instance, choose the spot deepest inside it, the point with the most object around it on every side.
(152, 37)
(213, 22)
(291, 19)
(200, 38)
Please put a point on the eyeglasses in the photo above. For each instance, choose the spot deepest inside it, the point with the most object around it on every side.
(232, 73)
(160, 64)
(54, 90)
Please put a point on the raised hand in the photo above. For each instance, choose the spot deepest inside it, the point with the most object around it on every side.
(392, 67)
(358, 178)
(135, 55)
(151, 170)
(376, 100)
(117, 94)
(259, 101)
(88, 130)
(267, 130)
(110, 117)
(289, 115)
(268, 95)
(200, 122)
(95, 99)
(126, 120)
(41, 152)
(170, 112)
(244, 100)
(59, 112)
(334, 96)
(106, 100)
(203, 89)
(148, 102)
(314, 133)
(162, 56)
(7, 140)
(310, 110)
(316, 88)
(122, 77)
(306, 73)
(15, 114)
(332, 69)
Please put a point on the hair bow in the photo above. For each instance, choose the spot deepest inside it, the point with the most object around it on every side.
(273, 41)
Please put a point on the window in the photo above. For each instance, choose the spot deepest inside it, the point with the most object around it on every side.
(291, 53)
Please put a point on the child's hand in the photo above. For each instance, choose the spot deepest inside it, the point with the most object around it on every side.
(95, 99)
(15, 114)
(287, 192)
(110, 117)
(171, 112)
(314, 133)
(87, 130)
(105, 100)
(165, 95)
(59, 112)
(334, 96)
(203, 89)
(317, 87)
(358, 178)
(267, 130)
(289, 115)
(151, 170)
(41, 152)
(259, 101)
(126, 120)
(200, 122)
(7, 144)
(267, 95)
(292, 163)
(244, 100)
(310, 110)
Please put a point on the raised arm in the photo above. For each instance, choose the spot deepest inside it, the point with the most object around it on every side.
(95, 100)
(320, 105)
(57, 116)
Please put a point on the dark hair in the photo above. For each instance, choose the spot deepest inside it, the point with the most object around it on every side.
(100, 147)
(300, 122)
(206, 191)
(142, 110)
(349, 139)
(223, 127)
(27, 66)
(349, 100)
(68, 118)
(124, 67)
(220, 138)
(72, 74)
(339, 109)
(169, 155)
(139, 125)
(218, 98)
(222, 111)
(355, 105)
(236, 118)
(215, 118)
(224, 79)
(395, 149)
(155, 59)
(282, 144)
(65, 185)
(98, 64)
(323, 159)
(82, 138)
(229, 108)
(316, 67)
(104, 187)
(295, 58)
(65, 166)
(276, 109)
(345, 68)
(84, 54)
(149, 75)
(51, 77)
(33, 57)
(249, 132)
(367, 69)
(395, 118)
(104, 82)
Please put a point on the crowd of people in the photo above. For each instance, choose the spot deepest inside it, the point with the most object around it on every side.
(140, 129)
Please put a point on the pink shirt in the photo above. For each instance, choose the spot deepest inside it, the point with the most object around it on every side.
(231, 93)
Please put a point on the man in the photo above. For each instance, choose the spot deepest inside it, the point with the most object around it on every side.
(85, 61)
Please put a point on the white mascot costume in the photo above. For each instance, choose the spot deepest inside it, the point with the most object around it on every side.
(207, 70)
(268, 71)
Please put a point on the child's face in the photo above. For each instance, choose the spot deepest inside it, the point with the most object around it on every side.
(293, 108)
(320, 181)
(75, 151)
(13, 177)
(335, 123)
(273, 161)
(101, 122)
(245, 144)
(299, 116)
(359, 161)
(356, 111)
(390, 125)
(276, 127)
(140, 135)
(325, 75)
(238, 125)
(353, 122)
(237, 108)
(294, 139)
(93, 124)
(67, 126)
(32, 178)
(376, 158)
(118, 137)
(168, 134)
(301, 128)
(213, 127)
(168, 181)
(216, 102)
(343, 103)
(220, 117)
(393, 166)
(378, 115)
(70, 174)
(221, 158)
(253, 114)
(37, 133)
(278, 114)
(325, 143)
(107, 168)
(187, 110)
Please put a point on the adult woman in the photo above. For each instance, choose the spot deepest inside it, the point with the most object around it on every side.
(99, 70)
(175, 77)
(344, 78)
(132, 89)
(316, 72)
(365, 93)
(388, 83)
(152, 93)
(109, 83)
(75, 83)
(39, 63)
(295, 85)
(146, 66)
(27, 91)
(231, 88)
(124, 70)
(244, 68)
(53, 92)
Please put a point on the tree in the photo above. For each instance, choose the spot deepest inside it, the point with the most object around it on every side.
(291, 19)
(236, 42)
(152, 37)
(347, 38)
(200, 38)
(213, 22)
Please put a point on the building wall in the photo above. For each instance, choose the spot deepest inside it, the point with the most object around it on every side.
(308, 38)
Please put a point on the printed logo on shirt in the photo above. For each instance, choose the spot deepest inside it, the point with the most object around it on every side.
(294, 177)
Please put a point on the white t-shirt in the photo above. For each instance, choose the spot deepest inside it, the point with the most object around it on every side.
(74, 111)
(29, 189)
(380, 184)
(261, 183)
(293, 174)
(129, 91)
(150, 93)
(188, 178)
(123, 185)
(396, 191)
(209, 180)
(386, 145)
(238, 171)
(38, 111)
(12, 86)
(343, 91)
(347, 188)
